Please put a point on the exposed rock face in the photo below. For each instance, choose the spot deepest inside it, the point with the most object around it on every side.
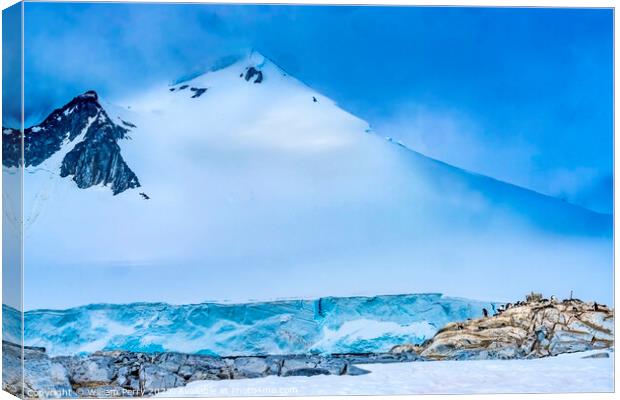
(528, 330)
(41, 376)
(45, 139)
(11, 147)
(116, 374)
(198, 92)
(95, 158)
(253, 73)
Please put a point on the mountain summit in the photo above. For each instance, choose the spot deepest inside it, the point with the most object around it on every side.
(77, 140)
(247, 172)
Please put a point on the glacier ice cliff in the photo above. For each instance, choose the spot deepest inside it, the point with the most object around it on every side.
(326, 325)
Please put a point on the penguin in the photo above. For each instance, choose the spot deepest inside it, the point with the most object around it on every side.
(144, 196)
(595, 306)
(314, 99)
(485, 312)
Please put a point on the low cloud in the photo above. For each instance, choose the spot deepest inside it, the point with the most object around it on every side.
(452, 136)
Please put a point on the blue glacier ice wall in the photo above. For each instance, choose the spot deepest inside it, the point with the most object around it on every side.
(11, 324)
(325, 325)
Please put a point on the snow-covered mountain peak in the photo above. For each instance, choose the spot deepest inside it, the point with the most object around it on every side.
(253, 104)
(256, 59)
(89, 95)
(245, 170)
(251, 67)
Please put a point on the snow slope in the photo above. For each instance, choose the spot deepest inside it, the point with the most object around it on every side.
(325, 325)
(263, 190)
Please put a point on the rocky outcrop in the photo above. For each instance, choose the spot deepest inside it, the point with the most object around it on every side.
(95, 158)
(197, 92)
(253, 74)
(120, 373)
(39, 377)
(526, 330)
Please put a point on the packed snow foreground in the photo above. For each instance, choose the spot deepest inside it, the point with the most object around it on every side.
(568, 373)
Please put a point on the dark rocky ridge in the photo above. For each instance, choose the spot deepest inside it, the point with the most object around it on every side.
(95, 160)
(127, 374)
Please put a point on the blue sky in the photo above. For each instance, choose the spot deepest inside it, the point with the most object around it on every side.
(522, 95)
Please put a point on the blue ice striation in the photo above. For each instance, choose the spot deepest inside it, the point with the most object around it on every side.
(325, 325)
